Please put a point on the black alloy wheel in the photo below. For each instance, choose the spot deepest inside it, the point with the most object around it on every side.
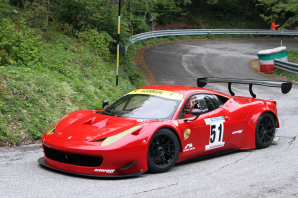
(163, 151)
(265, 130)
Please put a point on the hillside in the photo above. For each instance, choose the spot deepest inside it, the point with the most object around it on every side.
(59, 56)
(45, 76)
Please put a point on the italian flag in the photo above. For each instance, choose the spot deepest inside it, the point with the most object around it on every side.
(266, 57)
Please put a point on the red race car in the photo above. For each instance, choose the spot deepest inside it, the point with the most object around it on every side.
(155, 127)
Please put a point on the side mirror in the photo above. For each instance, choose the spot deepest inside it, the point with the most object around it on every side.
(104, 103)
(198, 112)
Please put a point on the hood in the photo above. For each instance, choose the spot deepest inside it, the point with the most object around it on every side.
(93, 127)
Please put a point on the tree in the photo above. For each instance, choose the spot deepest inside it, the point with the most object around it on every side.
(281, 11)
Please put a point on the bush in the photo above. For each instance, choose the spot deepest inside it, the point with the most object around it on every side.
(210, 36)
(99, 41)
(19, 45)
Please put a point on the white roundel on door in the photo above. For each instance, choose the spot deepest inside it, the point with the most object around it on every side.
(216, 132)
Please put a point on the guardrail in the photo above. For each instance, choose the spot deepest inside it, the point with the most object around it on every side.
(162, 33)
(287, 66)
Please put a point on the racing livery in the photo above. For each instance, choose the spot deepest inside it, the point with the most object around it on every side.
(154, 127)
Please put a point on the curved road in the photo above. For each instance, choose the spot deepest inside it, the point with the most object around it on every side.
(270, 172)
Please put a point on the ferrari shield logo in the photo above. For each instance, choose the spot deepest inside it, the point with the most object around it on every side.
(186, 134)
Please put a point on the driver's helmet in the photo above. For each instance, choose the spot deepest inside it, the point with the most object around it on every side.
(194, 103)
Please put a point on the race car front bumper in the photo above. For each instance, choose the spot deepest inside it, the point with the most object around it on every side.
(42, 161)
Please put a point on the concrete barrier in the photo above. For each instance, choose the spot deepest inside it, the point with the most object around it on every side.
(266, 57)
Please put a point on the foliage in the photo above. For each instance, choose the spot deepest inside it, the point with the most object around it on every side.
(168, 10)
(284, 12)
(6, 10)
(210, 36)
(65, 74)
(32, 99)
(225, 14)
(99, 41)
(19, 44)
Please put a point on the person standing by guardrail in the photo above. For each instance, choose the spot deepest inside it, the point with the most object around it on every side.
(275, 26)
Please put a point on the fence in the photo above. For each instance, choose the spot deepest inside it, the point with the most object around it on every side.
(162, 33)
(287, 66)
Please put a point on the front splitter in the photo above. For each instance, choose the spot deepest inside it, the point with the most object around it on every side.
(42, 162)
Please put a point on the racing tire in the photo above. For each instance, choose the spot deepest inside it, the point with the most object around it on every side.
(163, 151)
(265, 130)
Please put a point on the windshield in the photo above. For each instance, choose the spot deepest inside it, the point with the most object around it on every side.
(143, 106)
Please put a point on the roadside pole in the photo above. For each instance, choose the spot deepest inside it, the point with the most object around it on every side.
(282, 31)
(118, 43)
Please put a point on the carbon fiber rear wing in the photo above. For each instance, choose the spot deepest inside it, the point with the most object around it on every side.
(285, 86)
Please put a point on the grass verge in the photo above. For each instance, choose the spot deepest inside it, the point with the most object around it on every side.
(292, 57)
(72, 76)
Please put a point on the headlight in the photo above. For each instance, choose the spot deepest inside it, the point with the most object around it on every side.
(51, 130)
(114, 138)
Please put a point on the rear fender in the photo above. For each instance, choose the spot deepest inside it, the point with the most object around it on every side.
(249, 135)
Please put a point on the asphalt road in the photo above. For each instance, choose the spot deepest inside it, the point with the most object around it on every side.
(270, 172)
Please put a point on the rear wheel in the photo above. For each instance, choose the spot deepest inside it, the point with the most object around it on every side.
(265, 130)
(163, 151)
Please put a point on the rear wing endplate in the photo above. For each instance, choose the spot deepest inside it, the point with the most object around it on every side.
(285, 86)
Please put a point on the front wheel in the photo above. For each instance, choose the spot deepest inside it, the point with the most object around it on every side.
(163, 151)
(265, 130)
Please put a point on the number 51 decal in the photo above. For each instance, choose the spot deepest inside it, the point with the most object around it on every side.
(216, 132)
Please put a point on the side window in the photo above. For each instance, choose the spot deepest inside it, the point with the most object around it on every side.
(210, 103)
(194, 102)
(200, 101)
(219, 100)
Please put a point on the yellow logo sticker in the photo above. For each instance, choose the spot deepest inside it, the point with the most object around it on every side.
(186, 134)
(176, 123)
(161, 93)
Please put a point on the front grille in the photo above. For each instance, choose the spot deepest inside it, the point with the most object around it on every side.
(74, 159)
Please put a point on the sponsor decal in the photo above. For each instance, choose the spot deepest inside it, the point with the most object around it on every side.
(235, 132)
(186, 134)
(161, 93)
(176, 123)
(188, 147)
(212, 120)
(104, 170)
(216, 132)
(209, 147)
(141, 120)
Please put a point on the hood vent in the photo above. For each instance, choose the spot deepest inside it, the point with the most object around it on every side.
(89, 122)
(99, 124)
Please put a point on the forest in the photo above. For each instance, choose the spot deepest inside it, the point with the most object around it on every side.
(58, 56)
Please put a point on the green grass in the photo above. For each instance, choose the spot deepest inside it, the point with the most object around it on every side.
(71, 77)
